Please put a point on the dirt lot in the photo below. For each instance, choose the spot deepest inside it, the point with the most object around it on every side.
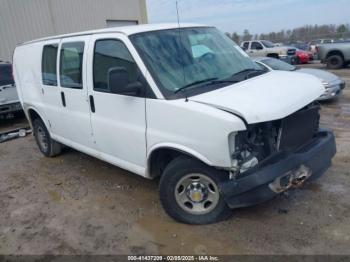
(75, 204)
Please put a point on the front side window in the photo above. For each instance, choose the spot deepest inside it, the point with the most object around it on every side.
(179, 58)
(277, 64)
(49, 65)
(111, 54)
(256, 46)
(71, 65)
(267, 44)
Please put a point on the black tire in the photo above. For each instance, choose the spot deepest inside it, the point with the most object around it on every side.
(176, 170)
(273, 56)
(335, 62)
(52, 147)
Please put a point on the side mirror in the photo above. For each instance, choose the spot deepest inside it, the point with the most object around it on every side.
(118, 82)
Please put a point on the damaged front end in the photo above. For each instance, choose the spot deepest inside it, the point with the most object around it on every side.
(272, 157)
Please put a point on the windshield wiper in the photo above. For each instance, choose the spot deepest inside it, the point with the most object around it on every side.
(209, 81)
(196, 83)
(248, 72)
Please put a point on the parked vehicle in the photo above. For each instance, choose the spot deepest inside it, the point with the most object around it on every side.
(185, 104)
(302, 57)
(9, 101)
(335, 55)
(300, 45)
(314, 43)
(266, 48)
(332, 83)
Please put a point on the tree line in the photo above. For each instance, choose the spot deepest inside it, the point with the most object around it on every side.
(304, 34)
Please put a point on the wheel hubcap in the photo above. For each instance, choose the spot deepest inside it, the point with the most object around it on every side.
(197, 194)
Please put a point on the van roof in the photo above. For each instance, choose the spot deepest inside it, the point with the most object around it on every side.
(127, 30)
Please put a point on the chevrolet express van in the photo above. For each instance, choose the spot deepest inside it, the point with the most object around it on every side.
(183, 103)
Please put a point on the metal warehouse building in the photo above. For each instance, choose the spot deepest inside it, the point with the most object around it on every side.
(24, 20)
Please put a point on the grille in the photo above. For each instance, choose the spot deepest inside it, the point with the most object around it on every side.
(298, 128)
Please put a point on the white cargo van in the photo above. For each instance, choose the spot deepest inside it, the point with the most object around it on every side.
(183, 103)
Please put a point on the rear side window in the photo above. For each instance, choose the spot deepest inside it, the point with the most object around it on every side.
(6, 77)
(256, 46)
(48, 65)
(71, 65)
(110, 54)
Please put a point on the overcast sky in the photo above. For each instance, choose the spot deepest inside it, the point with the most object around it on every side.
(258, 16)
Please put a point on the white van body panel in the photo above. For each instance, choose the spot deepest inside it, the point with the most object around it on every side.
(200, 130)
(27, 75)
(125, 131)
(266, 97)
(76, 114)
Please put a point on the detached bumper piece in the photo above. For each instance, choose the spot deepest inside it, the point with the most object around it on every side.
(281, 172)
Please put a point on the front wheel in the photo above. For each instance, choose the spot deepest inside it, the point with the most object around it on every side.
(189, 192)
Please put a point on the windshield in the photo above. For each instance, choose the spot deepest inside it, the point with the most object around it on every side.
(267, 43)
(276, 64)
(190, 57)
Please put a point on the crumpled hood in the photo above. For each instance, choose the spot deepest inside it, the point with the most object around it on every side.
(267, 97)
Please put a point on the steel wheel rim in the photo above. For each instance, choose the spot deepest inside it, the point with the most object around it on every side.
(197, 194)
(42, 139)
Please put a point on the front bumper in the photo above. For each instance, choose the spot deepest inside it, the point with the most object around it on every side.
(280, 172)
(331, 93)
(10, 108)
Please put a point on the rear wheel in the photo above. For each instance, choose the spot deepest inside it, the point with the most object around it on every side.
(189, 192)
(46, 144)
(335, 62)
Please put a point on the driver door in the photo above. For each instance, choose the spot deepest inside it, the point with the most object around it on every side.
(118, 115)
(256, 49)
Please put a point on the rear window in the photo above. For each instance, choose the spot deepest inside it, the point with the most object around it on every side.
(6, 77)
(49, 64)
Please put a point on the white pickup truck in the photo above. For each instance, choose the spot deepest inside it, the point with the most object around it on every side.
(185, 104)
(9, 101)
(266, 48)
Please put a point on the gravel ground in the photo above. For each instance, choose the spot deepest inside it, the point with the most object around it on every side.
(75, 204)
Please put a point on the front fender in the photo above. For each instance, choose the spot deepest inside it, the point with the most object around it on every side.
(180, 148)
